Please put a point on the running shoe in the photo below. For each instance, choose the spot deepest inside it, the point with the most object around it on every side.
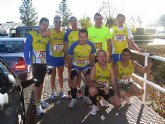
(94, 110)
(87, 100)
(39, 110)
(53, 96)
(44, 104)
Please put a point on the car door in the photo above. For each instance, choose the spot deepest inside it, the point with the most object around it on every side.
(11, 105)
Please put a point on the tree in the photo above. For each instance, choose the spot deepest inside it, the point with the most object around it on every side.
(162, 20)
(108, 12)
(64, 12)
(85, 22)
(28, 14)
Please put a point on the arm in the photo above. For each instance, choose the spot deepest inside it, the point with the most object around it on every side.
(113, 80)
(27, 49)
(109, 48)
(142, 69)
(116, 71)
(131, 43)
(65, 52)
(70, 61)
(92, 81)
(133, 46)
(92, 54)
(92, 59)
(66, 47)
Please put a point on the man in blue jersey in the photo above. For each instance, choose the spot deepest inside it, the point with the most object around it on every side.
(35, 55)
(81, 56)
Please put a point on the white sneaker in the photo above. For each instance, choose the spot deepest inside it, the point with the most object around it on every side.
(53, 96)
(72, 103)
(105, 103)
(87, 100)
(39, 110)
(44, 104)
(94, 110)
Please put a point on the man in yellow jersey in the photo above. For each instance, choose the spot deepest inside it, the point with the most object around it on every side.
(100, 35)
(71, 36)
(102, 82)
(123, 71)
(35, 55)
(121, 38)
(55, 55)
(80, 58)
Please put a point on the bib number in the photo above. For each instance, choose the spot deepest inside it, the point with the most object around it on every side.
(41, 54)
(58, 47)
(120, 38)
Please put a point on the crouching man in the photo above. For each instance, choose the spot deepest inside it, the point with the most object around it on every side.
(102, 82)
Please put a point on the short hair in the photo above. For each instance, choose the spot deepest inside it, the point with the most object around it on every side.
(72, 18)
(97, 14)
(120, 15)
(83, 31)
(101, 51)
(57, 16)
(43, 19)
(127, 50)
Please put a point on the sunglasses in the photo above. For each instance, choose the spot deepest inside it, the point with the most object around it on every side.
(57, 21)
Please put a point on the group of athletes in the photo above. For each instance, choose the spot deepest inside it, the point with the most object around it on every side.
(100, 55)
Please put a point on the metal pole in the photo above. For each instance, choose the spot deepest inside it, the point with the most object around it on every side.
(144, 83)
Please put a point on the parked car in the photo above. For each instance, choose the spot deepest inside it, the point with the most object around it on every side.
(22, 31)
(12, 110)
(11, 52)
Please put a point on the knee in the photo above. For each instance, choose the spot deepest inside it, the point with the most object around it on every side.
(37, 83)
(122, 93)
(115, 100)
(92, 91)
(74, 74)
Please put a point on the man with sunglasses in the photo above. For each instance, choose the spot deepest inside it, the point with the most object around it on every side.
(55, 58)
(71, 36)
(100, 35)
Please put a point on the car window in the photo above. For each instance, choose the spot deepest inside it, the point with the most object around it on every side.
(14, 46)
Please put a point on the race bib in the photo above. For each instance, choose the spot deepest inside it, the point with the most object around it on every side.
(41, 54)
(58, 47)
(98, 46)
(120, 38)
(82, 62)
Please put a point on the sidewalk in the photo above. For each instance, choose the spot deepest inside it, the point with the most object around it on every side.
(59, 113)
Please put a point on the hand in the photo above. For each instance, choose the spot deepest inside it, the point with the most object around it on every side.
(47, 33)
(106, 90)
(141, 50)
(148, 67)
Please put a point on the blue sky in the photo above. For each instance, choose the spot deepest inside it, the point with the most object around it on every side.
(148, 10)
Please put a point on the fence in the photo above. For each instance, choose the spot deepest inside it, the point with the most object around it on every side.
(144, 79)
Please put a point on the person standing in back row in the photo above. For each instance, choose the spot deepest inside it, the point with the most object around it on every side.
(121, 38)
(55, 55)
(35, 55)
(100, 35)
(70, 37)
